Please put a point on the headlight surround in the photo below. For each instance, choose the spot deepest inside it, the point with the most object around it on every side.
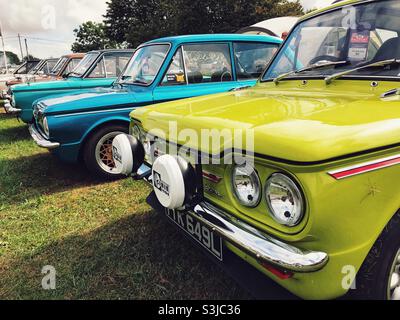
(285, 200)
(45, 126)
(246, 185)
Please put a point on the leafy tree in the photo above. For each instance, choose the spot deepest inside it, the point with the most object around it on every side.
(91, 36)
(30, 57)
(137, 21)
(12, 58)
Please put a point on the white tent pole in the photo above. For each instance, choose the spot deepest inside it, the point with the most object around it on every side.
(4, 48)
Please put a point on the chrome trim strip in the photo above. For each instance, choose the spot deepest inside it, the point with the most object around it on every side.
(40, 141)
(369, 166)
(257, 244)
(92, 112)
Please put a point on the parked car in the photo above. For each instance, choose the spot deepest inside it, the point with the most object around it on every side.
(64, 66)
(42, 69)
(156, 73)
(98, 69)
(315, 206)
(23, 69)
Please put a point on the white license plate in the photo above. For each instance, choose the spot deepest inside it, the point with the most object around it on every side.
(198, 231)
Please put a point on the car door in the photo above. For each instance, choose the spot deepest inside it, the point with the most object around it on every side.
(196, 70)
(251, 60)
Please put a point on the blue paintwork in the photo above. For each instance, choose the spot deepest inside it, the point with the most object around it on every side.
(73, 118)
(26, 94)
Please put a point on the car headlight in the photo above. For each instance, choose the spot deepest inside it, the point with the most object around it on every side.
(284, 199)
(137, 132)
(13, 100)
(246, 185)
(45, 125)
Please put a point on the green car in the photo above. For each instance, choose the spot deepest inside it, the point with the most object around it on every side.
(296, 176)
(97, 69)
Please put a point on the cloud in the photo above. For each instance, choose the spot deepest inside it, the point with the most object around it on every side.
(48, 24)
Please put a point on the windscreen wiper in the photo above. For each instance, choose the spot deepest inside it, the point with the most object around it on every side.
(309, 68)
(382, 63)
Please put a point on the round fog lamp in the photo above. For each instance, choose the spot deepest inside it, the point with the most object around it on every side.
(128, 154)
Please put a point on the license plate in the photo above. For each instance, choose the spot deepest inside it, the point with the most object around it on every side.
(198, 231)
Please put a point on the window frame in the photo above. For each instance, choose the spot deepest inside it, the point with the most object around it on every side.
(272, 44)
(94, 64)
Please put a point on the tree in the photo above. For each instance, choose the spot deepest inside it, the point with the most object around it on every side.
(137, 21)
(12, 58)
(91, 36)
(30, 58)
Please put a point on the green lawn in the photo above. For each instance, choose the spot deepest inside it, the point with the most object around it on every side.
(102, 238)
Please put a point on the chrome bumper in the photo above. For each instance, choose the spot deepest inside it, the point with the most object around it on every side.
(9, 108)
(257, 244)
(40, 141)
(250, 240)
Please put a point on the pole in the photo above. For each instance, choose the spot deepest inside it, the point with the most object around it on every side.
(20, 47)
(26, 47)
(4, 48)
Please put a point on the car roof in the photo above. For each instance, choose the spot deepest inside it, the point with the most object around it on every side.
(74, 55)
(337, 4)
(112, 50)
(217, 37)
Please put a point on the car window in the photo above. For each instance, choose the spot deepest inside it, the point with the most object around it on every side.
(59, 65)
(252, 58)
(145, 64)
(48, 66)
(110, 65)
(207, 63)
(372, 37)
(175, 74)
(72, 65)
(84, 64)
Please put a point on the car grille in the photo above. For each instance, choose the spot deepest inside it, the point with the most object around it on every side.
(39, 116)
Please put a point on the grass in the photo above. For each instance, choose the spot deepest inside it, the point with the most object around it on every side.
(102, 238)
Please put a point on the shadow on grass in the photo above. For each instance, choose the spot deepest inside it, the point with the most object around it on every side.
(43, 174)
(14, 134)
(138, 257)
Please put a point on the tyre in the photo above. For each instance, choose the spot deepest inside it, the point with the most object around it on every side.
(97, 152)
(379, 276)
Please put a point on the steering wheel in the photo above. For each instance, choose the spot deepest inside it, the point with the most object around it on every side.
(226, 73)
(324, 58)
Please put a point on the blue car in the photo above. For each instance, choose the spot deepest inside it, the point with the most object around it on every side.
(83, 125)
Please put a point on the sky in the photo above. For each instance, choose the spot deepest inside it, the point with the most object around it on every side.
(48, 24)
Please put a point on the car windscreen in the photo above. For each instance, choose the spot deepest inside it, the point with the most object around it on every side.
(355, 36)
(145, 64)
(84, 65)
(59, 66)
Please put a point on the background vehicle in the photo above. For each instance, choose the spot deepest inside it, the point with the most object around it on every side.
(97, 69)
(60, 70)
(316, 204)
(157, 73)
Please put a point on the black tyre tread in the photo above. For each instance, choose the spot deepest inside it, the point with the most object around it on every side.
(371, 278)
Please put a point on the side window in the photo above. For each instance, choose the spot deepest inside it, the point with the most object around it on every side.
(252, 58)
(110, 66)
(71, 65)
(207, 63)
(98, 71)
(175, 74)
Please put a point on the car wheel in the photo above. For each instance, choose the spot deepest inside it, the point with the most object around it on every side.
(97, 153)
(379, 276)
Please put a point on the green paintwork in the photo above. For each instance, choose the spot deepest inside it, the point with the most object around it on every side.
(306, 130)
